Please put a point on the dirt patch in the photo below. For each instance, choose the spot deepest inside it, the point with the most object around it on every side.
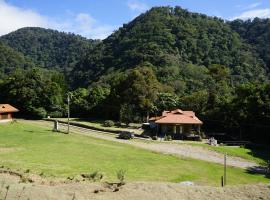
(11, 188)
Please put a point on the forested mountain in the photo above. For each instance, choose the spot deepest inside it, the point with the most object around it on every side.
(165, 58)
(49, 48)
(257, 33)
(173, 40)
(10, 59)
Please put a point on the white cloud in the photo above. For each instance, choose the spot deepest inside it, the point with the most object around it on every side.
(253, 5)
(261, 13)
(137, 6)
(248, 7)
(84, 24)
(13, 18)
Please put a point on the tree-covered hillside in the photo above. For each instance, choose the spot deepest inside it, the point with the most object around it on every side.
(257, 33)
(10, 59)
(49, 48)
(173, 40)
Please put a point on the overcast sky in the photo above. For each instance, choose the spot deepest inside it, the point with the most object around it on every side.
(97, 19)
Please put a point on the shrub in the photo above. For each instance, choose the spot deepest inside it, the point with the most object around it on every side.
(121, 176)
(168, 138)
(39, 113)
(126, 135)
(108, 123)
(55, 114)
(118, 124)
(268, 167)
(95, 176)
(154, 137)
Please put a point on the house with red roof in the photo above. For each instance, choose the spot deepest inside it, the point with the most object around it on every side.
(177, 123)
(6, 112)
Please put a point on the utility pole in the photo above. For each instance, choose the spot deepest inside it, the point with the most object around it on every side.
(68, 100)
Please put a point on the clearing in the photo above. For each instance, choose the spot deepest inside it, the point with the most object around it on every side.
(42, 151)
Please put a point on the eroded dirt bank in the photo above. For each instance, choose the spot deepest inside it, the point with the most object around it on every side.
(12, 187)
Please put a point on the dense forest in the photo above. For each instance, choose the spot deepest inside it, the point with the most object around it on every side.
(165, 58)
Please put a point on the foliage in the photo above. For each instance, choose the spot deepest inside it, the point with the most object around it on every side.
(127, 114)
(168, 138)
(256, 32)
(34, 92)
(95, 176)
(108, 123)
(121, 175)
(38, 113)
(165, 58)
(126, 135)
(49, 48)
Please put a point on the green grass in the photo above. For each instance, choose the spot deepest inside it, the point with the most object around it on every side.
(24, 146)
(99, 124)
(259, 156)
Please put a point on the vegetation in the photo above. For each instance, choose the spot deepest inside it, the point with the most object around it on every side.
(164, 59)
(49, 49)
(259, 154)
(256, 32)
(24, 146)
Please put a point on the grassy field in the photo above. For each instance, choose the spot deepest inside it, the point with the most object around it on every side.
(99, 124)
(260, 156)
(24, 146)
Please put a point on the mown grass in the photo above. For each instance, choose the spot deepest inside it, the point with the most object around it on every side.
(24, 146)
(100, 124)
(258, 155)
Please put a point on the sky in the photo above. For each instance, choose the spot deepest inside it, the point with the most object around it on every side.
(96, 19)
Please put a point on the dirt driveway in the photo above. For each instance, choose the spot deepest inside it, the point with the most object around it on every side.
(182, 150)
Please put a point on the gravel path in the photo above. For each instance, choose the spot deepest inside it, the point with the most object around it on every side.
(182, 150)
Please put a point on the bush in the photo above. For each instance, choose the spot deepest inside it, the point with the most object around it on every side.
(121, 176)
(168, 138)
(126, 135)
(55, 114)
(108, 123)
(39, 113)
(118, 124)
(154, 137)
(95, 176)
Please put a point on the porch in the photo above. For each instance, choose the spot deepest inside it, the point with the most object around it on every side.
(179, 131)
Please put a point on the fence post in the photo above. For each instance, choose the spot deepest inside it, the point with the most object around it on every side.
(225, 169)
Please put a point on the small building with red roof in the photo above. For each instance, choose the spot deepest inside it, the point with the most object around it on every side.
(6, 112)
(177, 123)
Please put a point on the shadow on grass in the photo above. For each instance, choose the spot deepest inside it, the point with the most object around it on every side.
(259, 151)
(262, 152)
(261, 170)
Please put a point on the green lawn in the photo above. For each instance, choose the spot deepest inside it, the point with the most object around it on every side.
(99, 124)
(24, 146)
(260, 156)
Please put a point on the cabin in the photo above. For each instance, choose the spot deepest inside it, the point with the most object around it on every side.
(6, 112)
(177, 123)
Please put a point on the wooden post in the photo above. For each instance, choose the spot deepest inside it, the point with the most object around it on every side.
(222, 181)
(225, 169)
(56, 126)
(68, 100)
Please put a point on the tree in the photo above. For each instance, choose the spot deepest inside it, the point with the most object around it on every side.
(140, 89)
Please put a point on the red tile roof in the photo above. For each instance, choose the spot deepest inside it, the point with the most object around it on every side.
(178, 117)
(6, 108)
